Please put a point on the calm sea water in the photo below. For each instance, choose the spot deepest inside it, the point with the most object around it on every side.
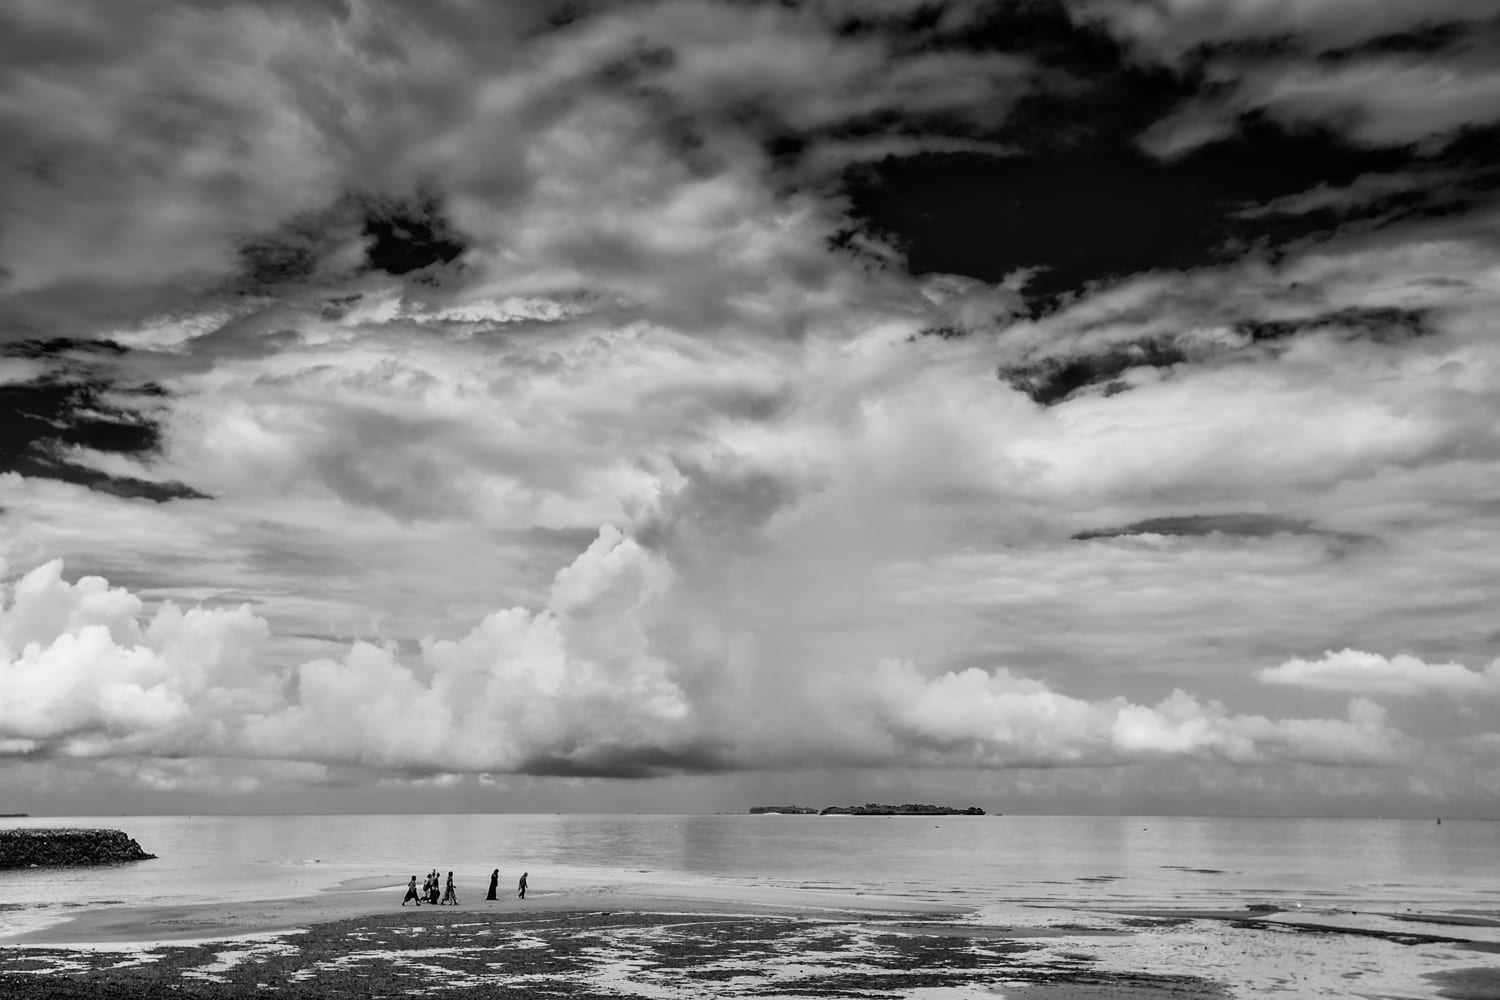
(988, 862)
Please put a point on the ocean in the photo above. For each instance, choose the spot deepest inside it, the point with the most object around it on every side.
(995, 864)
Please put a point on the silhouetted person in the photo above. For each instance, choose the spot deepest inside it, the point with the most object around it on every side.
(494, 883)
(449, 896)
(411, 893)
(521, 886)
(435, 888)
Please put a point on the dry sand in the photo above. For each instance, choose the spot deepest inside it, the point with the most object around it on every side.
(666, 942)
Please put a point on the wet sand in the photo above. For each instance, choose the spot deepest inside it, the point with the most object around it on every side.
(366, 897)
(666, 942)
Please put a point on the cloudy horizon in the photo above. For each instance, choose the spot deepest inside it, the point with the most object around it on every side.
(1075, 406)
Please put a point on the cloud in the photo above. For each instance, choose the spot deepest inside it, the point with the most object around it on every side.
(1195, 124)
(1176, 26)
(1388, 101)
(155, 148)
(82, 670)
(819, 537)
(1370, 673)
(1378, 74)
(831, 541)
(1376, 102)
(160, 128)
(583, 686)
(998, 719)
(1245, 525)
(1363, 191)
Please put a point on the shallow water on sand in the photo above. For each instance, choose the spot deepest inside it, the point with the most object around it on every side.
(991, 863)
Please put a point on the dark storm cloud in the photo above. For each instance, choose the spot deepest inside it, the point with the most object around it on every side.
(1095, 208)
(81, 403)
(1237, 525)
(395, 235)
(632, 762)
(1127, 155)
(1382, 325)
(1053, 378)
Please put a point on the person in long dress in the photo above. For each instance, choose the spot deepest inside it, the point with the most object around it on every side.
(411, 893)
(494, 883)
(449, 896)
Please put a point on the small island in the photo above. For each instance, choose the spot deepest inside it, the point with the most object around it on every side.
(870, 809)
(59, 847)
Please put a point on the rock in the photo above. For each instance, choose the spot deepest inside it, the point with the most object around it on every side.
(40, 848)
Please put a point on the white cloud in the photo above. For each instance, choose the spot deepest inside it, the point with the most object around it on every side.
(80, 669)
(1370, 673)
(996, 718)
(1380, 102)
(585, 684)
(1361, 191)
(1197, 123)
(1172, 27)
(1376, 101)
(1376, 98)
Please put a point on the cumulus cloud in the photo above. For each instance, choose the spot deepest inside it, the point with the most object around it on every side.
(583, 686)
(997, 718)
(82, 669)
(1370, 673)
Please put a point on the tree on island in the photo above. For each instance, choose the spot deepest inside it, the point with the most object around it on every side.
(793, 810)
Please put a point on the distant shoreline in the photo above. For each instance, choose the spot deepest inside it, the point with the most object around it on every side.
(869, 809)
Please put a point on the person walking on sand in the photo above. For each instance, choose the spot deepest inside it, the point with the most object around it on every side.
(449, 896)
(435, 887)
(521, 886)
(411, 893)
(494, 883)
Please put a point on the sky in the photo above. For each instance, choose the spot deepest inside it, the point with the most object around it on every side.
(1070, 406)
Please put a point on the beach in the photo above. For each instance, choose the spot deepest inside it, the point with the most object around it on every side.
(626, 939)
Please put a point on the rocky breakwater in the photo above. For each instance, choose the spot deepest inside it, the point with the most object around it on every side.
(55, 847)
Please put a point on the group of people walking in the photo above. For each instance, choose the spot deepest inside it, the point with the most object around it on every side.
(434, 890)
